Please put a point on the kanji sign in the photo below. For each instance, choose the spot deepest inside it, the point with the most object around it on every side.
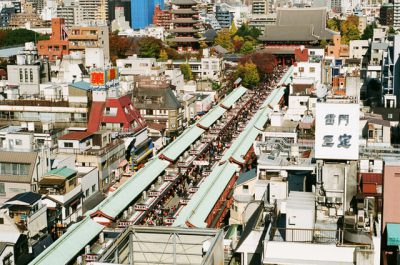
(337, 130)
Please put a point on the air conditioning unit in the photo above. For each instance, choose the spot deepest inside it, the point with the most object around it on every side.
(339, 200)
(321, 199)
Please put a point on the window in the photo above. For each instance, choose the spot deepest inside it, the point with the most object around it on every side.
(312, 69)
(30, 75)
(87, 193)
(94, 188)
(18, 142)
(68, 145)
(301, 69)
(245, 187)
(390, 116)
(2, 189)
(397, 175)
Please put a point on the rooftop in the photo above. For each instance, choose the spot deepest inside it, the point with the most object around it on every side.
(63, 172)
(76, 136)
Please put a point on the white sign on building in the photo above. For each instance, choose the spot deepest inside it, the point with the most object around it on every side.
(336, 131)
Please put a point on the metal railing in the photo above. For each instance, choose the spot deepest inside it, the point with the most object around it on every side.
(314, 235)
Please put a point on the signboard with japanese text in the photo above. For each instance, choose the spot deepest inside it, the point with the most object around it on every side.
(104, 78)
(337, 131)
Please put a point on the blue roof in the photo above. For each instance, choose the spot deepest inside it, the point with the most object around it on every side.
(8, 52)
(203, 194)
(246, 176)
(205, 206)
(81, 85)
(120, 199)
(212, 116)
(70, 244)
(177, 147)
(232, 97)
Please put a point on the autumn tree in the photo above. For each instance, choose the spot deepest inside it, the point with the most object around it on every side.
(224, 39)
(163, 55)
(121, 46)
(264, 61)
(334, 24)
(150, 47)
(237, 43)
(248, 73)
(233, 29)
(349, 29)
(186, 71)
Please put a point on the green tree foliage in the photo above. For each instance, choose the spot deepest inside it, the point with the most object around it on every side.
(368, 32)
(247, 47)
(334, 24)
(248, 73)
(150, 47)
(245, 31)
(19, 36)
(224, 39)
(186, 71)
(391, 30)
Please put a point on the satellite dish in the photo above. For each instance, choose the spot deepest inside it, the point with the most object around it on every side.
(321, 90)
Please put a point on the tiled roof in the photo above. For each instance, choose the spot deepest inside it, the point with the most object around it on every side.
(75, 136)
(26, 197)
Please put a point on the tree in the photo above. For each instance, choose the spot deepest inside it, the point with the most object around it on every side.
(203, 44)
(233, 29)
(323, 43)
(248, 73)
(224, 39)
(247, 47)
(149, 47)
(334, 24)
(391, 30)
(349, 29)
(186, 71)
(163, 55)
(237, 43)
(19, 36)
(121, 46)
(368, 32)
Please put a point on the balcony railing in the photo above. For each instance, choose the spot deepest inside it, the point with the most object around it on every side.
(306, 235)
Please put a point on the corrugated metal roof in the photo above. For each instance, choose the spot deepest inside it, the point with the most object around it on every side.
(119, 200)
(177, 147)
(64, 172)
(21, 158)
(70, 244)
(286, 77)
(81, 85)
(212, 116)
(207, 204)
(8, 52)
(231, 99)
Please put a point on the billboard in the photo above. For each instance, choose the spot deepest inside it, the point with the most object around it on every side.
(104, 78)
(337, 131)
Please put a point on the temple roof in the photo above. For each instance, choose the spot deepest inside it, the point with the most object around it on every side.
(299, 24)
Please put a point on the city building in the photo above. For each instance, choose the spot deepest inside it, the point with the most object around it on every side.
(157, 103)
(29, 71)
(142, 12)
(223, 15)
(94, 10)
(396, 12)
(260, 7)
(72, 15)
(90, 36)
(162, 18)
(57, 46)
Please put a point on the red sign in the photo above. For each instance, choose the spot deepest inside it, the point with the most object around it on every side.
(112, 74)
(97, 78)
